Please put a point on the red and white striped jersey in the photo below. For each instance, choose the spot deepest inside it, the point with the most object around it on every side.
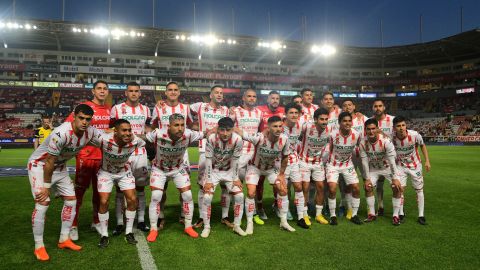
(333, 117)
(358, 123)
(207, 118)
(115, 158)
(161, 115)
(309, 111)
(342, 147)
(312, 146)
(378, 153)
(137, 116)
(293, 135)
(169, 155)
(222, 152)
(63, 143)
(267, 152)
(386, 125)
(407, 150)
(249, 121)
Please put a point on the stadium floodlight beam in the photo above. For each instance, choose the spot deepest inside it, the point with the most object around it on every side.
(5, 45)
(325, 50)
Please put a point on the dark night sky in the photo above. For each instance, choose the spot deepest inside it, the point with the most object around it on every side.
(359, 19)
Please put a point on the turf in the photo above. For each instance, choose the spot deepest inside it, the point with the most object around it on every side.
(450, 241)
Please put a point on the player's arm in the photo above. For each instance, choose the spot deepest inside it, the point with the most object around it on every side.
(390, 155)
(208, 186)
(48, 168)
(424, 150)
(36, 139)
(366, 168)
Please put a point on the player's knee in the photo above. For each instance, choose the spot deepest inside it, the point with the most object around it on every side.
(238, 197)
(156, 195)
(251, 194)
(187, 196)
(207, 198)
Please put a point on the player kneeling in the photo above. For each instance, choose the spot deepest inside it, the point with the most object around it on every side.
(117, 147)
(222, 154)
(378, 159)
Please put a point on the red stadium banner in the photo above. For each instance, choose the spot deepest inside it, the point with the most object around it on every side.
(231, 90)
(467, 138)
(7, 105)
(12, 67)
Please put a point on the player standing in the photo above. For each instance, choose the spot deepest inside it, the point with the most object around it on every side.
(47, 167)
(408, 160)
(89, 159)
(42, 132)
(222, 154)
(308, 108)
(139, 117)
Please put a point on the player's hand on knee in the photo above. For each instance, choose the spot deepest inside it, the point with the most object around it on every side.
(238, 183)
(396, 185)
(207, 188)
(368, 185)
(42, 195)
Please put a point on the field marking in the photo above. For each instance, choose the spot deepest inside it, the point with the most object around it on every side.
(146, 259)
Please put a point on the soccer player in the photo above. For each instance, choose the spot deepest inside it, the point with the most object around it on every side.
(292, 128)
(139, 117)
(333, 110)
(117, 148)
(222, 154)
(89, 159)
(268, 148)
(341, 146)
(312, 154)
(47, 167)
(208, 115)
(297, 99)
(248, 118)
(385, 124)
(358, 124)
(409, 163)
(272, 108)
(42, 132)
(378, 159)
(171, 144)
(308, 108)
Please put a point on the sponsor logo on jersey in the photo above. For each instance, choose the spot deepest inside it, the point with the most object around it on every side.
(134, 117)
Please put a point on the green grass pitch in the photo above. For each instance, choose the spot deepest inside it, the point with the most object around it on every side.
(450, 241)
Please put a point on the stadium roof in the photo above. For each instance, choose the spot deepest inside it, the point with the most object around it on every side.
(58, 35)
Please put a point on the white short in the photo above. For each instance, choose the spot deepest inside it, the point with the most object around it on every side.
(415, 175)
(226, 178)
(292, 173)
(61, 181)
(124, 180)
(139, 167)
(315, 171)
(201, 168)
(158, 178)
(349, 174)
(253, 175)
(375, 175)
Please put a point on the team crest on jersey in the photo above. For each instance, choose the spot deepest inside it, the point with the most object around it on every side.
(337, 140)
(124, 111)
(110, 146)
(311, 132)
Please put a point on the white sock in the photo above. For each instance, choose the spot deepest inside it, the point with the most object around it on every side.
(130, 215)
(299, 203)
(68, 213)
(396, 206)
(154, 208)
(332, 206)
(103, 218)
(250, 208)
(420, 202)
(238, 208)
(141, 206)
(402, 201)
(355, 206)
(282, 203)
(200, 202)
(207, 210)
(348, 199)
(319, 209)
(119, 207)
(188, 207)
(38, 224)
(371, 205)
(226, 199)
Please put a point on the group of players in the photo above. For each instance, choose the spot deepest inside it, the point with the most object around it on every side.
(302, 146)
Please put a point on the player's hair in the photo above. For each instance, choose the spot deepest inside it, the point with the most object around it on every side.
(293, 106)
(169, 83)
(215, 86)
(349, 99)
(371, 121)
(305, 90)
(248, 90)
(379, 99)
(273, 92)
(225, 123)
(84, 108)
(319, 112)
(175, 117)
(99, 81)
(133, 84)
(399, 119)
(274, 119)
(343, 115)
(120, 121)
(296, 96)
(327, 93)
(45, 116)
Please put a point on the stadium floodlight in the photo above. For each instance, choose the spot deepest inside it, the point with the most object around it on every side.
(2, 25)
(28, 26)
(35, 27)
(200, 57)
(325, 50)
(5, 45)
(274, 45)
(108, 51)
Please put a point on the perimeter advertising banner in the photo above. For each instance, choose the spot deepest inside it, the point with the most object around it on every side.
(107, 70)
